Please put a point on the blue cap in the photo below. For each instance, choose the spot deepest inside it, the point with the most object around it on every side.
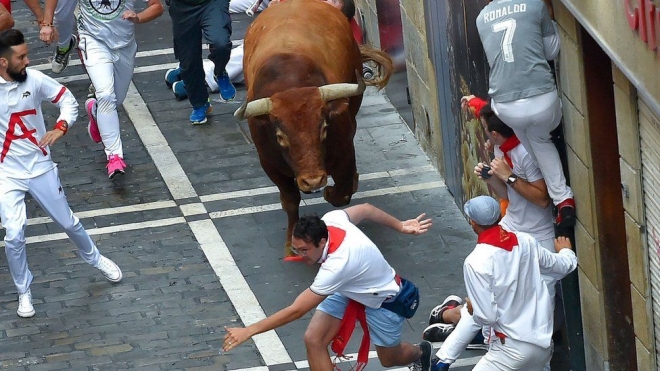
(483, 210)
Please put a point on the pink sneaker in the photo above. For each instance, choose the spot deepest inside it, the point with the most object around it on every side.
(92, 127)
(115, 166)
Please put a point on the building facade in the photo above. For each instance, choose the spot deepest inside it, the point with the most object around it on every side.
(608, 74)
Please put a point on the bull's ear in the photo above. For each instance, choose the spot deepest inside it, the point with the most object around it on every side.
(337, 108)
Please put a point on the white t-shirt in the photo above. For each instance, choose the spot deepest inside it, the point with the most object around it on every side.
(506, 288)
(240, 6)
(522, 215)
(101, 19)
(356, 269)
(22, 122)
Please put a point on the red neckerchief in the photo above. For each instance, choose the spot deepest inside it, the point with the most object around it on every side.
(355, 312)
(509, 144)
(498, 237)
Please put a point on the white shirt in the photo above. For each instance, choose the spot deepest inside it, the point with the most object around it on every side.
(101, 19)
(22, 123)
(522, 215)
(357, 269)
(240, 6)
(507, 290)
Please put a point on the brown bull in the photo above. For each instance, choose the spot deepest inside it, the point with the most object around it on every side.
(302, 68)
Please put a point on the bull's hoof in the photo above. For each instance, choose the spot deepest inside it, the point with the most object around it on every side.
(331, 195)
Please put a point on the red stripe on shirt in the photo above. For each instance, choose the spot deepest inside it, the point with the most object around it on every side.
(59, 95)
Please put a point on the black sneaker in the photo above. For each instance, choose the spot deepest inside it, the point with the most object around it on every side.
(424, 362)
(61, 58)
(450, 302)
(438, 332)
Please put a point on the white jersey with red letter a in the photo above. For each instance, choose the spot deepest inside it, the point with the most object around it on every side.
(22, 123)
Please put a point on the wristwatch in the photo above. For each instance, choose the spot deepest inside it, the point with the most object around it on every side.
(511, 179)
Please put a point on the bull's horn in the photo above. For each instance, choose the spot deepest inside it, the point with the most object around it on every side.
(239, 114)
(255, 108)
(336, 91)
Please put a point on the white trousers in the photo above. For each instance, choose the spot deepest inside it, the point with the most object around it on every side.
(466, 329)
(514, 355)
(111, 72)
(532, 119)
(64, 21)
(234, 69)
(47, 191)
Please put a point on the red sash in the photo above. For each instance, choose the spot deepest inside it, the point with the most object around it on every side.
(477, 104)
(355, 312)
(7, 4)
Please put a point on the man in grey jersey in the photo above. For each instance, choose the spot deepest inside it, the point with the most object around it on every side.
(519, 38)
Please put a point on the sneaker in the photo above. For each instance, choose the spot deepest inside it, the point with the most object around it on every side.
(92, 127)
(116, 166)
(227, 89)
(451, 301)
(179, 90)
(109, 269)
(478, 342)
(61, 58)
(424, 362)
(198, 115)
(565, 214)
(25, 308)
(172, 75)
(438, 332)
(436, 365)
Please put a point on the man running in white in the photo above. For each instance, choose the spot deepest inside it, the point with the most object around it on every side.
(519, 38)
(26, 165)
(507, 292)
(107, 49)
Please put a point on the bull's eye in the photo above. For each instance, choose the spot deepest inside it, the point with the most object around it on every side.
(282, 138)
(324, 130)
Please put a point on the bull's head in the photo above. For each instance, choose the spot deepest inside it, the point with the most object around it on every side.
(300, 126)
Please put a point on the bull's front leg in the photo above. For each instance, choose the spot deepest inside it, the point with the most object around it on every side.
(344, 173)
(290, 199)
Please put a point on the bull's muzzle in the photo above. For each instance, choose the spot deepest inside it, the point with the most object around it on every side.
(312, 183)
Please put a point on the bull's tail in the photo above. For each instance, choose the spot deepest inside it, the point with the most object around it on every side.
(380, 65)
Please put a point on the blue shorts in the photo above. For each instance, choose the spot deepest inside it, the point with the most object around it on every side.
(385, 327)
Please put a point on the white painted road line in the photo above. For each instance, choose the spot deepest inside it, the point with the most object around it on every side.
(107, 230)
(238, 290)
(198, 209)
(245, 303)
(236, 194)
(160, 151)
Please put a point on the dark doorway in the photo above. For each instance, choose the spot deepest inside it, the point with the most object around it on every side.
(611, 241)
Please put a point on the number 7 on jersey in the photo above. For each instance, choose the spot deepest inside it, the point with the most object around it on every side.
(509, 28)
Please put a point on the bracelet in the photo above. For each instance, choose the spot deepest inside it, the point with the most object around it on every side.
(42, 24)
(62, 125)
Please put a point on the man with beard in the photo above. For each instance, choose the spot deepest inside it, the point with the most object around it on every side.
(26, 165)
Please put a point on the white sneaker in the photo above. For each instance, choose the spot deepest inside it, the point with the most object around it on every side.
(109, 269)
(25, 308)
